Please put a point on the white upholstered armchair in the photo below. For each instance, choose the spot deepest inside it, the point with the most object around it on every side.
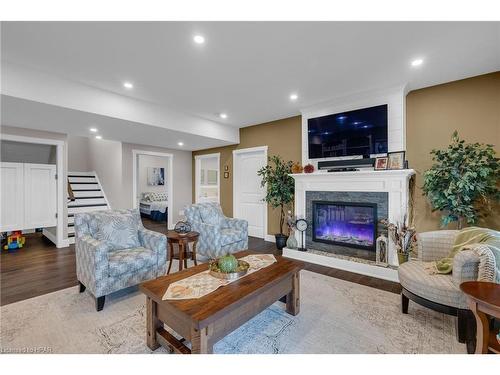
(441, 292)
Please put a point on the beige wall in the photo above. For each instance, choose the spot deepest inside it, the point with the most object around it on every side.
(105, 158)
(471, 106)
(78, 149)
(283, 137)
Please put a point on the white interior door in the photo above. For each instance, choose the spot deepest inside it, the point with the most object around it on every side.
(247, 192)
(40, 194)
(12, 200)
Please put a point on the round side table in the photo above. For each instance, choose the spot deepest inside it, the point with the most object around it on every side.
(484, 300)
(183, 253)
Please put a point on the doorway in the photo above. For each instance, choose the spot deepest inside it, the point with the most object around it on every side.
(207, 178)
(152, 185)
(248, 194)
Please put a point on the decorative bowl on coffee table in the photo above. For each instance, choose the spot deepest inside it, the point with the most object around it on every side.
(241, 270)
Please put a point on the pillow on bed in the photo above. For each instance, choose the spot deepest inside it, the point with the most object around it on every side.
(146, 197)
(156, 197)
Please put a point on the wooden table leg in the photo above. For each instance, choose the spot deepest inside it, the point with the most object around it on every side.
(171, 256)
(293, 298)
(186, 249)
(199, 341)
(483, 329)
(194, 253)
(152, 324)
(181, 254)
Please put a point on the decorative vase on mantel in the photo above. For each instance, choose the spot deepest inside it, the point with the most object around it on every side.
(402, 257)
(292, 243)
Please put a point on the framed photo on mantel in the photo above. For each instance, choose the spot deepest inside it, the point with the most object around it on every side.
(396, 160)
(381, 163)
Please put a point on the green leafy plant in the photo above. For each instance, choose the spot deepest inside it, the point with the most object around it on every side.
(280, 186)
(463, 181)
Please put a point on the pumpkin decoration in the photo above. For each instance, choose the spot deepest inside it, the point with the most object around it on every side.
(297, 168)
(227, 263)
(309, 168)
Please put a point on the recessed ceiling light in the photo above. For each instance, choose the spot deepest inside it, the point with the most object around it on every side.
(128, 85)
(294, 96)
(98, 137)
(223, 115)
(417, 62)
(93, 130)
(180, 143)
(199, 39)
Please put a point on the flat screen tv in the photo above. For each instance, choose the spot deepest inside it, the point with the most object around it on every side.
(360, 132)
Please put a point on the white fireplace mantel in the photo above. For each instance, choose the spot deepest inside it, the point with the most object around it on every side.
(394, 182)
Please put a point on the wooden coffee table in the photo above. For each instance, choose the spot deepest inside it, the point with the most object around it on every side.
(206, 320)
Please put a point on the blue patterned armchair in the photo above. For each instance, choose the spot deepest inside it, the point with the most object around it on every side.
(219, 235)
(115, 251)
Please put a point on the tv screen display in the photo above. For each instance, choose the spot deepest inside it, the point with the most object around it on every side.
(360, 132)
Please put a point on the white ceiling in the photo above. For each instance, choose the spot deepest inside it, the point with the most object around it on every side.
(249, 69)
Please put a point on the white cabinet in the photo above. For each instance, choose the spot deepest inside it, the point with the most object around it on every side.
(12, 209)
(28, 196)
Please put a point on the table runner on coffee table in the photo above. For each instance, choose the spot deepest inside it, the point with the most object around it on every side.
(203, 283)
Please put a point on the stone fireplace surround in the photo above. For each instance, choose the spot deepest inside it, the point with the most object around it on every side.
(395, 183)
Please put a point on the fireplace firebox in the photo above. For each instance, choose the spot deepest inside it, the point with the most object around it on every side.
(347, 224)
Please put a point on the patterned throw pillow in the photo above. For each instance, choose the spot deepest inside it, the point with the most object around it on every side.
(119, 230)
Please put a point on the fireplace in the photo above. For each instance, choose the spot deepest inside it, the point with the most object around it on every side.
(347, 224)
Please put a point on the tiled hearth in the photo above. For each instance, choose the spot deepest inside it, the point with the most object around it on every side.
(389, 190)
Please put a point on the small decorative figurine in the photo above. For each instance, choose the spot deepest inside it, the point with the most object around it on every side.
(297, 168)
(182, 227)
(309, 168)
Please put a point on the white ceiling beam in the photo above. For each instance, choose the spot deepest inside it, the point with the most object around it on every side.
(36, 86)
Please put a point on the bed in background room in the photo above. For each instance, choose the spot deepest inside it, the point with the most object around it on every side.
(154, 206)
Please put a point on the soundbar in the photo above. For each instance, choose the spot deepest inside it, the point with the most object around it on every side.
(351, 164)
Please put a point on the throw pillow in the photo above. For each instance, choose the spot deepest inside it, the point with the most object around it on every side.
(119, 230)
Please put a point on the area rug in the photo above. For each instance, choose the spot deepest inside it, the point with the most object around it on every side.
(336, 316)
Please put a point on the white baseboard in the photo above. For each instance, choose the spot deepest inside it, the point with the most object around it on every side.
(64, 243)
(270, 238)
(342, 264)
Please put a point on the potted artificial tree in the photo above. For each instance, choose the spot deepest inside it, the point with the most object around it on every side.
(462, 181)
(280, 190)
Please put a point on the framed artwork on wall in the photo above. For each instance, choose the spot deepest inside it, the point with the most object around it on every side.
(156, 176)
(396, 160)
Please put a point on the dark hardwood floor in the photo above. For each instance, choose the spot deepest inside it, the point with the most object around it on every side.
(41, 268)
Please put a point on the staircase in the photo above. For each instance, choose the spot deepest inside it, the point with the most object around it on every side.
(85, 194)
